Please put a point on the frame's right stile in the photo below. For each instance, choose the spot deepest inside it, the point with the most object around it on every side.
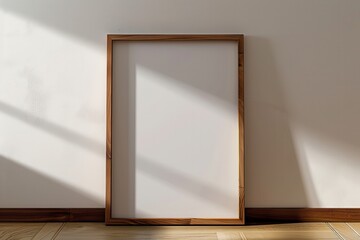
(241, 129)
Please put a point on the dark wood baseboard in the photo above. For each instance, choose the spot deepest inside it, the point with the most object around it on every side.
(268, 215)
(52, 214)
(253, 215)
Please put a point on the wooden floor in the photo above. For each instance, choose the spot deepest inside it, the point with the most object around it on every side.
(85, 231)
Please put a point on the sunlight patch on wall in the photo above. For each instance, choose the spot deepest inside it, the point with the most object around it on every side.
(52, 109)
(329, 167)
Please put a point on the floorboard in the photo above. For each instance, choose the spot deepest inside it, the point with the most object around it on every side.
(21, 231)
(49, 231)
(98, 231)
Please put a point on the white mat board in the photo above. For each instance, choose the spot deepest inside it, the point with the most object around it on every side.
(175, 130)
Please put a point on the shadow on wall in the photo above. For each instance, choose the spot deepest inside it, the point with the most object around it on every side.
(81, 19)
(58, 15)
(29, 184)
(273, 168)
(52, 128)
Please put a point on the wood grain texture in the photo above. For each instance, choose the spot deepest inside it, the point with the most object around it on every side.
(23, 231)
(290, 235)
(96, 231)
(253, 215)
(355, 227)
(177, 37)
(259, 215)
(109, 88)
(239, 38)
(241, 117)
(33, 214)
(174, 221)
(287, 231)
(209, 221)
(149, 221)
(241, 121)
(48, 231)
(86, 215)
(231, 236)
(242, 216)
(344, 231)
(51, 214)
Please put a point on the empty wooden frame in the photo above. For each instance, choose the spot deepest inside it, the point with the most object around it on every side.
(129, 219)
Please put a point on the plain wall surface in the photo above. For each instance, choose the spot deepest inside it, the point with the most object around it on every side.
(302, 81)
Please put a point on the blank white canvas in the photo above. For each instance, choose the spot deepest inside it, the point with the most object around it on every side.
(175, 130)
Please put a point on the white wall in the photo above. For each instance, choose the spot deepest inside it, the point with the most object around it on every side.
(302, 82)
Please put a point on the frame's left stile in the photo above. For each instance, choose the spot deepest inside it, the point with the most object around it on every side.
(109, 131)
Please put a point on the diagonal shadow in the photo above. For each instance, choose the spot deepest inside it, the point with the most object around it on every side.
(283, 177)
(184, 183)
(30, 185)
(64, 16)
(54, 129)
(184, 73)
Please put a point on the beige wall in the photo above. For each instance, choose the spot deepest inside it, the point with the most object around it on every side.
(302, 95)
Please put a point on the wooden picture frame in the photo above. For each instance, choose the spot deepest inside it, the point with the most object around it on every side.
(239, 39)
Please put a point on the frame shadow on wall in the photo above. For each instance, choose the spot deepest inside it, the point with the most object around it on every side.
(273, 158)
